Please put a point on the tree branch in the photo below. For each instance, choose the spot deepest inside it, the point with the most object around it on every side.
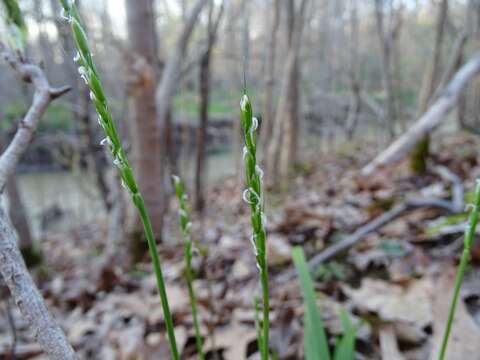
(429, 121)
(27, 297)
(12, 267)
(43, 96)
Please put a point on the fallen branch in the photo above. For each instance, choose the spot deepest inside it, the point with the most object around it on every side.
(12, 267)
(451, 206)
(429, 121)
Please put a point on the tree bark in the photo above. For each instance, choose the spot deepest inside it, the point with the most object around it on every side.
(12, 267)
(173, 66)
(204, 103)
(268, 113)
(282, 148)
(429, 121)
(418, 159)
(17, 214)
(146, 134)
(355, 100)
(385, 40)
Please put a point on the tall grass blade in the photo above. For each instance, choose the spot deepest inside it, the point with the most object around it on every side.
(90, 75)
(315, 339)
(345, 347)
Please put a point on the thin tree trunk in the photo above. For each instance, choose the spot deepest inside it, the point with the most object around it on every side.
(418, 159)
(268, 113)
(282, 150)
(146, 134)
(205, 61)
(385, 41)
(355, 100)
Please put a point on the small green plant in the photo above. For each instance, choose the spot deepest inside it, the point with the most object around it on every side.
(89, 73)
(467, 245)
(315, 338)
(254, 197)
(185, 225)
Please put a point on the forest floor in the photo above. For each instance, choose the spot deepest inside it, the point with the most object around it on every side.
(396, 281)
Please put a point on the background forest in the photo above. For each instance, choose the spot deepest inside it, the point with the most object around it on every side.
(368, 131)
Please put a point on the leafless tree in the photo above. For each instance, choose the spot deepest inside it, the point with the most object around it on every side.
(205, 74)
(146, 134)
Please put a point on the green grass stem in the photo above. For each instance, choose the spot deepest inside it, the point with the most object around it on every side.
(89, 73)
(185, 225)
(254, 197)
(467, 245)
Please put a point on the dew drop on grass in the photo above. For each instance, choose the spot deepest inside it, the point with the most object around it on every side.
(76, 58)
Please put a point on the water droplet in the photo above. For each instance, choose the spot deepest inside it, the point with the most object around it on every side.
(92, 96)
(76, 58)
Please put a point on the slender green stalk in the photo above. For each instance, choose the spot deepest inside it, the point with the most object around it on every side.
(89, 73)
(467, 245)
(254, 197)
(185, 225)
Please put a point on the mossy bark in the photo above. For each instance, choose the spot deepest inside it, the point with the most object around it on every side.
(419, 156)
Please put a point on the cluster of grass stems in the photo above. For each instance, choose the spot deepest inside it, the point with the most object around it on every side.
(315, 338)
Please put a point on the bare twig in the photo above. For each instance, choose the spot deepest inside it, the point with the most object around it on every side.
(452, 206)
(43, 96)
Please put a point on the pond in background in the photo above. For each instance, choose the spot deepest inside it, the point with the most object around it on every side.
(68, 197)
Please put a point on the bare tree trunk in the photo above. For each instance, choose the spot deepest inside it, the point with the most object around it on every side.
(355, 100)
(268, 113)
(418, 159)
(146, 134)
(282, 150)
(166, 89)
(204, 103)
(385, 40)
(429, 121)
